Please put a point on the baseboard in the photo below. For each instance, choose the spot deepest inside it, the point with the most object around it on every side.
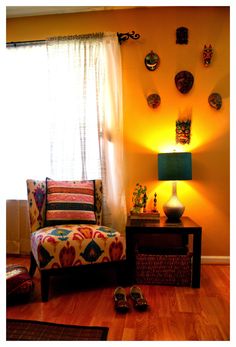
(215, 260)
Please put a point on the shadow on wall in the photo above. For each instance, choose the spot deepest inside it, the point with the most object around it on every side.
(223, 87)
(209, 179)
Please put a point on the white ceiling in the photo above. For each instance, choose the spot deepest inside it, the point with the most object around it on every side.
(24, 11)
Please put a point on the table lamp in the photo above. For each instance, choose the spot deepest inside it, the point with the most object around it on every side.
(174, 166)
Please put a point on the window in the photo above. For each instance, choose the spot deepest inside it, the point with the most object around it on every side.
(51, 116)
(26, 139)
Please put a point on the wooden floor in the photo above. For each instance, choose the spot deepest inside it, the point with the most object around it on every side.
(175, 314)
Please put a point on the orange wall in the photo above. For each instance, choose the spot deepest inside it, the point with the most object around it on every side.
(148, 131)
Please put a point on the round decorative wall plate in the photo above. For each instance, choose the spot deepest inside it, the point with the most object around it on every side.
(153, 100)
(215, 100)
(152, 61)
(184, 81)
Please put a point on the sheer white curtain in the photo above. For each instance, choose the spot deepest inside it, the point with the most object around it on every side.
(64, 117)
(112, 135)
(76, 87)
(85, 76)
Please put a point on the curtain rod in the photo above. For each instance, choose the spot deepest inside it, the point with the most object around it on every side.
(121, 38)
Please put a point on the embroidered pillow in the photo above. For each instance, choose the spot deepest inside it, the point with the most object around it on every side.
(69, 202)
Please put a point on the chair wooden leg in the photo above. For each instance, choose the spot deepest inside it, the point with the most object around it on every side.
(44, 285)
(33, 265)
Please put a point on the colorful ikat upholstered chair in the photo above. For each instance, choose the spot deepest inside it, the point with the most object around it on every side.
(66, 228)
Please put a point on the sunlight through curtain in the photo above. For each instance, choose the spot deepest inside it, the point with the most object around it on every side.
(65, 116)
(76, 78)
(25, 140)
(85, 78)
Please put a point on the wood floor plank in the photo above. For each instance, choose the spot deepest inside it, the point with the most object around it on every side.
(175, 313)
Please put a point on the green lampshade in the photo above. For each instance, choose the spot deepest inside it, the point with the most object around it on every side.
(174, 166)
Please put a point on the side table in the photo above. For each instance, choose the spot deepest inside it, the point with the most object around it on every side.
(136, 229)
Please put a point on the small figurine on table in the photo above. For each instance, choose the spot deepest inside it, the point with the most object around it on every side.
(145, 198)
(155, 203)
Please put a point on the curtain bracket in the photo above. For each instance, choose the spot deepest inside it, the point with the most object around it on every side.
(125, 36)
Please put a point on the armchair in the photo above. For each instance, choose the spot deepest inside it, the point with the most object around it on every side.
(60, 242)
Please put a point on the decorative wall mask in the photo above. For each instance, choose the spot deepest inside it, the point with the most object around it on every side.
(152, 61)
(182, 35)
(183, 131)
(215, 100)
(184, 81)
(153, 100)
(207, 55)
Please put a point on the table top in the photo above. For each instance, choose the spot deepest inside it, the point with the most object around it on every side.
(184, 222)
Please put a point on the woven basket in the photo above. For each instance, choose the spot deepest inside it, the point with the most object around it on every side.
(163, 269)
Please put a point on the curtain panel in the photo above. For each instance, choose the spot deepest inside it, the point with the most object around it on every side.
(85, 78)
(65, 115)
(76, 75)
(112, 148)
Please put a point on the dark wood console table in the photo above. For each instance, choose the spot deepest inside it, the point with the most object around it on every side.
(138, 229)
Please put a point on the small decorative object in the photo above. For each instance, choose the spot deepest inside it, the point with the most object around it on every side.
(184, 81)
(152, 61)
(215, 100)
(155, 203)
(207, 55)
(139, 198)
(182, 35)
(153, 100)
(183, 131)
(145, 198)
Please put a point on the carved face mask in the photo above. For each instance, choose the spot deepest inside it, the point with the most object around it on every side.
(182, 35)
(207, 55)
(183, 131)
(153, 100)
(152, 61)
(184, 81)
(215, 100)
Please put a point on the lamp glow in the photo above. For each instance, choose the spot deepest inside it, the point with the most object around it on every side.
(174, 166)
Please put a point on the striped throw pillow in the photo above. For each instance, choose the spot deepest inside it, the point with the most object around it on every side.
(69, 202)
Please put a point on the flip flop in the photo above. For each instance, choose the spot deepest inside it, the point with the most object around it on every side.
(140, 303)
(121, 304)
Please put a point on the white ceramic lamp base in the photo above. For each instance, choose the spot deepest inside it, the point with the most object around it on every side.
(173, 208)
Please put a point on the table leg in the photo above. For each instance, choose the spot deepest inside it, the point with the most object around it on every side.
(196, 266)
(130, 256)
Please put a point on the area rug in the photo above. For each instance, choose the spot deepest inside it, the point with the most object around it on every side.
(28, 330)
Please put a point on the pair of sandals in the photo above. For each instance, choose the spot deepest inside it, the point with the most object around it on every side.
(121, 303)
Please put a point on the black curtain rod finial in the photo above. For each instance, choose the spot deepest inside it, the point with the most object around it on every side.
(125, 36)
